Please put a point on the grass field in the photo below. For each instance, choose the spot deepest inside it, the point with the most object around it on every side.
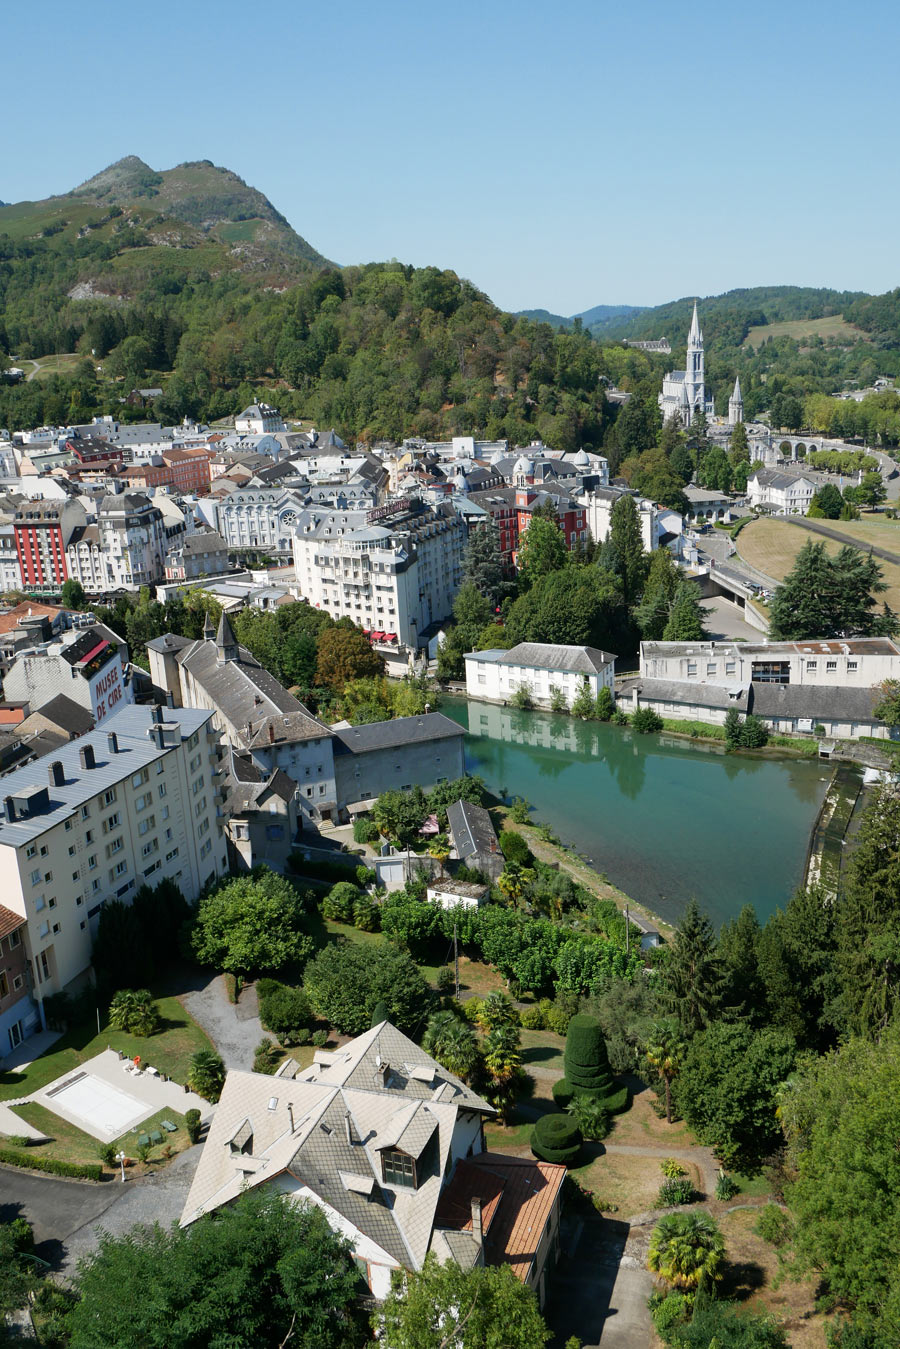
(169, 1050)
(772, 546)
(69, 1144)
(875, 530)
(834, 326)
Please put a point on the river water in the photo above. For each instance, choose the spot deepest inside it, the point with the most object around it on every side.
(665, 818)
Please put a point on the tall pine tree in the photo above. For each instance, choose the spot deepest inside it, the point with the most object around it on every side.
(685, 617)
(483, 564)
(694, 978)
(626, 540)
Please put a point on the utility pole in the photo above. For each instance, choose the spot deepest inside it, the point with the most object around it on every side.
(627, 934)
(456, 960)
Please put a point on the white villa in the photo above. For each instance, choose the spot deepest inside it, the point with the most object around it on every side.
(786, 493)
(390, 1146)
(496, 675)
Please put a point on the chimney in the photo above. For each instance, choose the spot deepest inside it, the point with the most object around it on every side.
(477, 1226)
(57, 774)
(348, 1127)
(86, 755)
(290, 1109)
(170, 700)
(271, 734)
(10, 805)
(156, 715)
(112, 741)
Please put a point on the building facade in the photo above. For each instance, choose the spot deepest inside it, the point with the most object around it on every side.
(132, 804)
(42, 532)
(785, 493)
(684, 392)
(260, 519)
(540, 669)
(87, 665)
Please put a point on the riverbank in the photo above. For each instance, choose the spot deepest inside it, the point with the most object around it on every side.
(567, 859)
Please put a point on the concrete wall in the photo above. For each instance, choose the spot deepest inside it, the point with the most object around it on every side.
(361, 775)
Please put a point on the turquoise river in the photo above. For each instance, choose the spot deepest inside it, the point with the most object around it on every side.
(664, 817)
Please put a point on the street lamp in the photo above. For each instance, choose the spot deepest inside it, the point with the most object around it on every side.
(120, 1158)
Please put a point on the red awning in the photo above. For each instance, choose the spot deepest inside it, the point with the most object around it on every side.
(379, 636)
(94, 651)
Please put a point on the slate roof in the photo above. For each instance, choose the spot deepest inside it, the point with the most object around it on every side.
(395, 734)
(70, 716)
(471, 829)
(247, 695)
(831, 702)
(688, 691)
(544, 656)
(320, 1135)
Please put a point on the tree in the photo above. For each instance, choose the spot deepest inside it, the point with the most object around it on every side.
(439, 849)
(485, 1307)
(134, 1011)
(264, 1271)
(345, 981)
(452, 1042)
(685, 1248)
(345, 654)
(400, 815)
(685, 623)
(207, 1074)
(871, 491)
(664, 1052)
(826, 597)
(542, 549)
(251, 924)
(605, 705)
(693, 978)
(503, 1065)
(841, 1118)
(727, 1326)
(744, 992)
(867, 926)
(663, 579)
(583, 704)
(483, 564)
(578, 606)
(16, 1277)
(827, 502)
(513, 881)
(627, 541)
(728, 1085)
(888, 709)
(739, 448)
(71, 595)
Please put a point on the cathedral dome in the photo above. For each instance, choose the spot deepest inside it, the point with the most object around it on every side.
(523, 465)
(582, 459)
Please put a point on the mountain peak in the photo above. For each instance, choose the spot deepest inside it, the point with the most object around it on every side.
(128, 177)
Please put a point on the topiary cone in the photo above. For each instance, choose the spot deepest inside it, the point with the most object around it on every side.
(586, 1059)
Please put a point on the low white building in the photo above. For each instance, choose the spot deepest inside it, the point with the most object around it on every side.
(856, 662)
(258, 420)
(394, 570)
(784, 493)
(453, 894)
(540, 668)
(656, 526)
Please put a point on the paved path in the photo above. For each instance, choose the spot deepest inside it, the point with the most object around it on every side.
(724, 621)
(235, 1030)
(67, 1216)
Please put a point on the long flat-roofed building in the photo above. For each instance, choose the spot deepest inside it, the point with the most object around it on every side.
(133, 804)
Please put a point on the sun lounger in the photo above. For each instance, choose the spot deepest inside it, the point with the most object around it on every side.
(155, 1137)
(143, 1140)
(168, 1126)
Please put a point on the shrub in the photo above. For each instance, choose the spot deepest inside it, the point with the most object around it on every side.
(673, 1192)
(17, 1140)
(338, 903)
(53, 1167)
(556, 1138)
(617, 1101)
(23, 1236)
(365, 876)
(558, 701)
(774, 1225)
(143, 1152)
(605, 705)
(446, 980)
(563, 1094)
(366, 914)
(320, 1038)
(591, 1117)
(531, 1018)
(266, 985)
(107, 1154)
(133, 1010)
(726, 1187)
(514, 848)
(380, 1012)
(644, 720)
(519, 810)
(232, 986)
(365, 830)
(471, 1009)
(668, 1312)
(522, 697)
(586, 1059)
(672, 1169)
(286, 1013)
(560, 1012)
(207, 1074)
(192, 1124)
(267, 1056)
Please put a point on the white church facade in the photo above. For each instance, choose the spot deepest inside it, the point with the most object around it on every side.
(684, 391)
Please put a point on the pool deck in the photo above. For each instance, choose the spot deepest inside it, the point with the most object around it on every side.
(151, 1092)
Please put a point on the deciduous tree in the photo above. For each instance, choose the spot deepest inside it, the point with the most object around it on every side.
(344, 653)
(251, 924)
(485, 1307)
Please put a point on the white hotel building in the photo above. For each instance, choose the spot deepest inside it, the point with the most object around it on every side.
(133, 804)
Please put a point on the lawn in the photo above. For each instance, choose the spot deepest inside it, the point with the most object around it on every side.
(170, 1050)
(70, 1144)
(833, 326)
(773, 545)
(753, 1271)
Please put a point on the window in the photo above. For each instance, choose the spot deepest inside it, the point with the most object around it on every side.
(89, 836)
(44, 850)
(72, 850)
(85, 812)
(113, 822)
(109, 797)
(831, 665)
(397, 1168)
(170, 855)
(4, 985)
(692, 668)
(56, 927)
(30, 852)
(852, 664)
(161, 790)
(92, 862)
(68, 825)
(711, 668)
(36, 876)
(52, 902)
(140, 778)
(95, 885)
(165, 812)
(142, 802)
(146, 825)
(14, 939)
(771, 672)
(121, 868)
(114, 847)
(48, 876)
(198, 785)
(812, 664)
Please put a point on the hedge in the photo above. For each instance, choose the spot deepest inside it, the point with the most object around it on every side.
(556, 1138)
(51, 1165)
(563, 1094)
(322, 871)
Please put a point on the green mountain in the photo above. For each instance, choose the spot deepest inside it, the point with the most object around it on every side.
(129, 221)
(598, 314)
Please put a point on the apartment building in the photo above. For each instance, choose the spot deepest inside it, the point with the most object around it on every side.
(394, 570)
(42, 532)
(124, 550)
(133, 804)
(540, 668)
(259, 519)
(18, 1013)
(856, 662)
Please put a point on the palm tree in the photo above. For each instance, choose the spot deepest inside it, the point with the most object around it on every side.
(439, 849)
(503, 1063)
(685, 1248)
(496, 1010)
(134, 1011)
(664, 1052)
(513, 881)
(452, 1042)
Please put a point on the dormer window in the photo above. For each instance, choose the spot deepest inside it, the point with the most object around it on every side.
(398, 1168)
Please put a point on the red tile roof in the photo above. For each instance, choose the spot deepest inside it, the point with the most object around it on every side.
(517, 1196)
(27, 609)
(9, 921)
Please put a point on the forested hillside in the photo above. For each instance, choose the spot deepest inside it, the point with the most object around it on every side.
(727, 318)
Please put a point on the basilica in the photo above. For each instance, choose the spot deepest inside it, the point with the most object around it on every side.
(684, 391)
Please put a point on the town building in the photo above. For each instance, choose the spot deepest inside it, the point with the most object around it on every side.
(540, 669)
(684, 392)
(259, 519)
(259, 419)
(124, 550)
(394, 570)
(203, 553)
(784, 493)
(384, 755)
(659, 527)
(704, 504)
(390, 1146)
(137, 802)
(473, 840)
(262, 814)
(18, 1013)
(451, 893)
(88, 666)
(43, 531)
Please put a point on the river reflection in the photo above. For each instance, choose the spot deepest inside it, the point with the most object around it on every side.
(665, 818)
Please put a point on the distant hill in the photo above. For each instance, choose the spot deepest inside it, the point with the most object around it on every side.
(599, 313)
(131, 220)
(727, 319)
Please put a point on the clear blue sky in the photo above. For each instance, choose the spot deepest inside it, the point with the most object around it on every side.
(559, 155)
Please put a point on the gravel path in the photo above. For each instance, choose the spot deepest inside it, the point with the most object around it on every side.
(696, 1156)
(234, 1030)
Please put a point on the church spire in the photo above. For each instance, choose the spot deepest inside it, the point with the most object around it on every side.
(226, 646)
(737, 396)
(695, 336)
